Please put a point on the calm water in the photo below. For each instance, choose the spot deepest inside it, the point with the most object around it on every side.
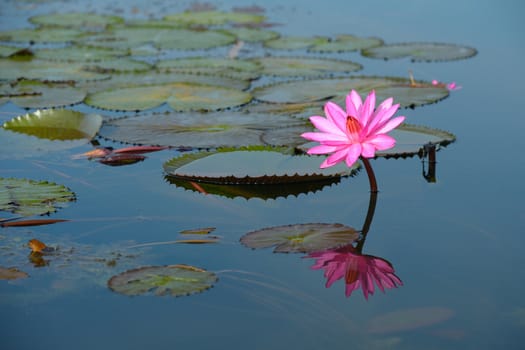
(456, 244)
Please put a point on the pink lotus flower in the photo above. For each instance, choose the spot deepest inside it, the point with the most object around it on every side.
(360, 131)
(359, 271)
(450, 86)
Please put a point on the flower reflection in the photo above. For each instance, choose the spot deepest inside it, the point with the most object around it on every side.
(359, 270)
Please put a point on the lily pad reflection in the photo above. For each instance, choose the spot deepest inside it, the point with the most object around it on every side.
(301, 238)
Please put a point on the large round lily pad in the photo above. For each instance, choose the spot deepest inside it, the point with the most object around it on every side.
(305, 67)
(252, 165)
(235, 68)
(301, 238)
(38, 94)
(77, 53)
(346, 42)
(173, 280)
(206, 130)
(56, 124)
(180, 96)
(208, 18)
(295, 42)
(41, 35)
(76, 20)
(29, 197)
(421, 51)
(321, 90)
(253, 34)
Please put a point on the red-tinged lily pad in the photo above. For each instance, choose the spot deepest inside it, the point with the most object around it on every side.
(36, 222)
(56, 124)
(173, 280)
(113, 159)
(421, 51)
(405, 320)
(252, 165)
(11, 273)
(301, 238)
(198, 231)
(30, 197)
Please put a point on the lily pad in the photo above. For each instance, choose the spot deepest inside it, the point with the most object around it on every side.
(252, 165)
(76, 20)
(11, 273)
(117, 65)
(180, 96)
(195, 40)
(346, 42)
(173, 280)
(77, 53)
(56, 124)
(295, 42)
(29, 197)
(301, 238)
(253, 35)
(41, 35)
(305, 67)
(321, 90)
(7, 51)
(209, 18)
(46, 70)
(205, 130)
(37, 94)
(421, 51)
(239, 69)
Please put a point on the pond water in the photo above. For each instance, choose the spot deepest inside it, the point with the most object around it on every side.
(455, 243)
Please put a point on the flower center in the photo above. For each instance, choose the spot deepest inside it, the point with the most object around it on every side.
(353, 127)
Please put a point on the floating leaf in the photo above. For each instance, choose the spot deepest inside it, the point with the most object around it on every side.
(122, 159)
(30, 197)
(346, 42)
(117, 65)
(405, 320)
(11, 273)
(239, 69)
(195, 40)
(77, 53)
(209, 18)
(295, 43)
(180, 96)
(321, 90)
(174, 280)
(305, 67)
(421, 51)
(41, 35)
(38, 94)
(255, 165)
(301, 238)
(36, 222)
(76, 20)
(206, 130)
(253, 35)
(7, 51)
(46, 70)
(56, 124)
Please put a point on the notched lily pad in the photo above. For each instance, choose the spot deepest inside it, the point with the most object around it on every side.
(173, 280)
(29, 197)
(206, 130)
(421, 51)
(56, 124)
(301, 238)
(180, 96)
(305, 67)
(252, 165)
(405, 92)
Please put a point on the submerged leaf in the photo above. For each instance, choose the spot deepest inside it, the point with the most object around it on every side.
(301, 238)
(37, 222)
(174, 280)
(11, 273)
(29, 197)
(405, 320)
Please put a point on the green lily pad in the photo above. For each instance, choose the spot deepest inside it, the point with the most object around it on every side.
(195, 40)
(79, 54)
(29, 197)
(235, 68)
(421, 51)
(7, 51)
(321, 90)
(305, 67)
(173, 280)
(301, 238)
(56, 124)
(37, 94)
(299, 110)
(205, 130)
(76, 20)
(117, 65)
(248, 191)
(253, 34)
(346, 42)
(180, 96)
(252, 165)
(295, 42)
(41, 35)
(209, 18)
(46, 70)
